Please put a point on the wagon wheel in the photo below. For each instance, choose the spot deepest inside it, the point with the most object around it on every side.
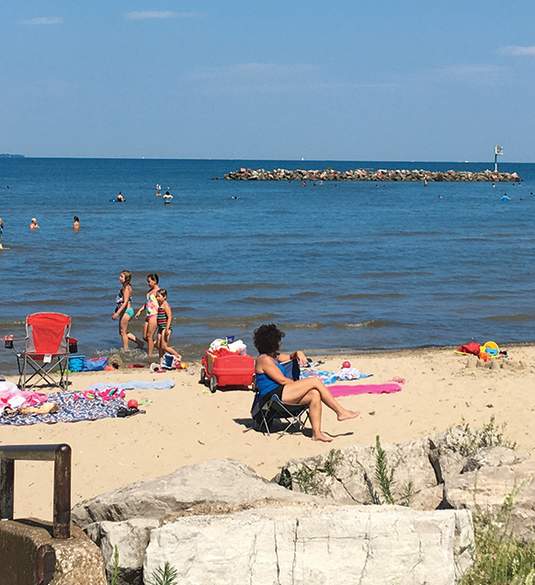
(213, 384)
(202, 379)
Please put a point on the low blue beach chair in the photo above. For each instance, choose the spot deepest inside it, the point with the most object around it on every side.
(265, 413)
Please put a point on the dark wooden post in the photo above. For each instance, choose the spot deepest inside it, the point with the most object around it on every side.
(7, 486)
(62, 492)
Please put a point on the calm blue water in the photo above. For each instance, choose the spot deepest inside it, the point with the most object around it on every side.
(338, 265)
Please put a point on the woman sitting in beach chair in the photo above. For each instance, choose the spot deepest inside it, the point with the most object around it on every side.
(271, 379)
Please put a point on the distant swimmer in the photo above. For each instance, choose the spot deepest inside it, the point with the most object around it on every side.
(1, 233)
(505, 197)
(76, 224)
(34, 224)
(167, 197)
(120, 198)
(425, 181)
(158, 190)
(235, 197)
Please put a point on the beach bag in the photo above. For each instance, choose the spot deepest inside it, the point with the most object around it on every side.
(95, 364)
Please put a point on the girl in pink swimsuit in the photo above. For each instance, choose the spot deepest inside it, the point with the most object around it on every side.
(151, 312)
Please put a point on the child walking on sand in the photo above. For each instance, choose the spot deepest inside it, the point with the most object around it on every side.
(164, 320)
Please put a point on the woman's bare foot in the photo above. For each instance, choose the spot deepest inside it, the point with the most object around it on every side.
(347, 414)
(322, 437)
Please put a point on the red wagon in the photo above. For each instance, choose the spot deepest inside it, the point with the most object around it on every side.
(223, 368)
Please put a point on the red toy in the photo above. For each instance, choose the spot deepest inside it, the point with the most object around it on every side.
(223, 368)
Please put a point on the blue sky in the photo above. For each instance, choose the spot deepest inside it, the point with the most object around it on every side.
(346, 79)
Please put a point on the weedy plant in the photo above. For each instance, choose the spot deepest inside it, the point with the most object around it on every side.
(167, 575)
(115, 568)
(467, 441)
(382, 491)
(500, 557)
(310, 478)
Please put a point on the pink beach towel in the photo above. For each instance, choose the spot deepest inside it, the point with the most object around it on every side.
(351, 390)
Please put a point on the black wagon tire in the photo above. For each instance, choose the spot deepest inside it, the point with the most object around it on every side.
(213, 384)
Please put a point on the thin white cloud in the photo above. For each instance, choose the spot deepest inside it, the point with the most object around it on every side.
(158, 14)
(254, 71)
(275, 78)
(44, 20)
(470, 72)
(518, 51)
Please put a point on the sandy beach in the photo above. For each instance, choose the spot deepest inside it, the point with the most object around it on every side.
(188, 424)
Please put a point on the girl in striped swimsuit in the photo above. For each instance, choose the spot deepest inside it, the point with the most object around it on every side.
(164, 320)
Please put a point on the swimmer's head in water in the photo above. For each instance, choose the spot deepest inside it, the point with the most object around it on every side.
(76, 218)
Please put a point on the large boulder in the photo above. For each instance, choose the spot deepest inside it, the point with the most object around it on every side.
(214, 486)
(507, 489)
(123, 545)
(329, 545)
(122, 520)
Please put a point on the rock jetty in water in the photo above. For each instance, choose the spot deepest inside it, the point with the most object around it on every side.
(245, 174)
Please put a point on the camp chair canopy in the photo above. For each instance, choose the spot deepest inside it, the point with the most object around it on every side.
(45, 358)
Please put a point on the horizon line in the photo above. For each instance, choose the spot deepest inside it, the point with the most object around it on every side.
(11, 156)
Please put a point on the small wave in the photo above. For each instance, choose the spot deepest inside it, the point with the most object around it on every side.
(370, 324)
(314, 325)
(253, 300)
(374, 296)
(306, 294)
(518, 317)
(229, 322)
(395, 273)
(227, 286)
(411, 234)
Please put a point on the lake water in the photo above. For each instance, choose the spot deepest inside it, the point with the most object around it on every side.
(337, 265)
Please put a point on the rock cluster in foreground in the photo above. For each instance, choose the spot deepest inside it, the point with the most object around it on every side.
(427, 474)
(245, 174)
(396, 514)
(220, 523)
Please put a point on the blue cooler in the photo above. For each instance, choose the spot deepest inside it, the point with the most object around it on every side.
(76, 363)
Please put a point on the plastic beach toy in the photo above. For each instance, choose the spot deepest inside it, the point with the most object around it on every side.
(491, 349)
(346, 364)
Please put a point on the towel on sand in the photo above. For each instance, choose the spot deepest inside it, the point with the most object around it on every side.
(351, 390)
(166, 384)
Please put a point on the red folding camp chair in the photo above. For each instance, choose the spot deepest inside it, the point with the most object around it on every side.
(45, 358)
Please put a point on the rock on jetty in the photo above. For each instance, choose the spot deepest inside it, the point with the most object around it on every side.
(245, 174)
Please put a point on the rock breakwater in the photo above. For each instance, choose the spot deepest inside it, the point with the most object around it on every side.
(245, 174)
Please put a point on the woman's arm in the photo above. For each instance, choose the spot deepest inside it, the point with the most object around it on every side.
(271, 370)
(296, 355)
(124, 304)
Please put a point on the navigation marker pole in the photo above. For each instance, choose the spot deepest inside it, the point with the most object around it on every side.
(498, 151)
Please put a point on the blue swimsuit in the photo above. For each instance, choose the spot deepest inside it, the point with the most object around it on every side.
(266, 386)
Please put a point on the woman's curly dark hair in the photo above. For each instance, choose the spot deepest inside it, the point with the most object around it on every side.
(267, 339)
